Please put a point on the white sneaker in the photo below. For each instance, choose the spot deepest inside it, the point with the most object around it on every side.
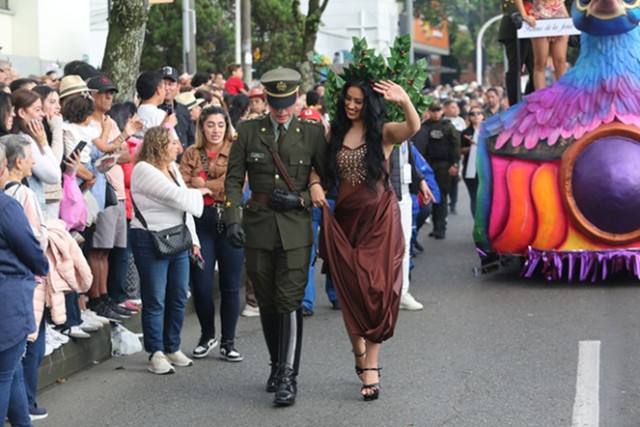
(90, 322)
(160, 364)
(90, 326)
(179, 359)
(93, 315)
(76, 332)
(56, 336)
(250, 311)
(407, 302)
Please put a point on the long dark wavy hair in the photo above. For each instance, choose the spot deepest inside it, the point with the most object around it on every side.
(5, 111)
(373, 113)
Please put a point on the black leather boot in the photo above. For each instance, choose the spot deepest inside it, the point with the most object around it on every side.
(289, 357)
(271, 330)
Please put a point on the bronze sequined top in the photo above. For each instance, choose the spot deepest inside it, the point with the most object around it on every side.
(350, 164)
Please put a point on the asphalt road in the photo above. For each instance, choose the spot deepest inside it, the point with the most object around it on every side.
(495, 350)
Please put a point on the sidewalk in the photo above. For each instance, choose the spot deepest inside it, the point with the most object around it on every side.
(79, 354)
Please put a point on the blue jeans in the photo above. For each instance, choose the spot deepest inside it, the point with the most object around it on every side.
(31, 362)
(73, 311)
(118, 267)
(214, 247)
(117, 278)
(164, 284)
(13, 397)
(310, 289)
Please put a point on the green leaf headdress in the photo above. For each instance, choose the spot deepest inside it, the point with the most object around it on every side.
(369, 66)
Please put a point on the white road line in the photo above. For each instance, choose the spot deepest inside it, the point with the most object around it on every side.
(586, 406)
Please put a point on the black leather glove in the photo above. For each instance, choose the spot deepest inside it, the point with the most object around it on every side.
(236, 236)
(517, 20)
(282, 200)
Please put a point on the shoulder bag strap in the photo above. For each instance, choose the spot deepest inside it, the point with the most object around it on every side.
(138, 214)
(204, 161)
(282, 170)
(184, 214)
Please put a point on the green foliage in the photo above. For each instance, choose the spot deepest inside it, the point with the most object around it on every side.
(369, 66)
(214, 36)
(279, 34)
(470, 14)
(463, 47)
(277, 30)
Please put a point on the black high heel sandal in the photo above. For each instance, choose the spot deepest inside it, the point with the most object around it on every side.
(375, 387)
(359, 370)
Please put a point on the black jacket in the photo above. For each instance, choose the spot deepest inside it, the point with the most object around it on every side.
(394, 172)
(438, 141)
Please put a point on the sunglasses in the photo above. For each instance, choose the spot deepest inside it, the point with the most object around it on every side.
(476, 113)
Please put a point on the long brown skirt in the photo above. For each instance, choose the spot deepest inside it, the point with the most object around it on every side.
(362, 245)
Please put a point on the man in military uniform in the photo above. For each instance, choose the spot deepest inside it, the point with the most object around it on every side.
(439, 143)
(277, 218)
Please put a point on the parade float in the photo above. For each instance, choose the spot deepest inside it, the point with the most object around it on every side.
(559, 172)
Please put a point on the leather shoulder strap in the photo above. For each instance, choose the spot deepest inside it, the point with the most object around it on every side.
(282, 170)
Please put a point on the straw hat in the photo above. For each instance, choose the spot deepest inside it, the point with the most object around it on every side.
(188, 99)
(70, 85)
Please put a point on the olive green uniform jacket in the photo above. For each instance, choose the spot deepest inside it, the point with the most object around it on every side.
(303, 148)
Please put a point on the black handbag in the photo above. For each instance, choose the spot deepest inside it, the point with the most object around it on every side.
(110, 197)
(170, 241)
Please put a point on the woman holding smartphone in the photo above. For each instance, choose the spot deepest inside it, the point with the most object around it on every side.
(53, 129)
(28, 122)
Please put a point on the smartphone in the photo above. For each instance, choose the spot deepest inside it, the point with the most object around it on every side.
(197, 260)
(169, 109)
(78, 148)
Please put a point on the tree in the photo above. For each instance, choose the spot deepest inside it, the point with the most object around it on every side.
(127, 22)
(276, 33)
(285, 37)
(470, 13)
(465, 18)
(215, 22)
(281, 35)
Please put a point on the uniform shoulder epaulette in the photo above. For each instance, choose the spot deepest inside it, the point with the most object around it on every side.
(313, 122)
(249, 122)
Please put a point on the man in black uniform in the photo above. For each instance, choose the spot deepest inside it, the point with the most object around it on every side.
(439, 142)
(508, 36)
(277, 218)
(185, 128)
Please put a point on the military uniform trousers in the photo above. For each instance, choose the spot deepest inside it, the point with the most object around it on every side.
(279, 276)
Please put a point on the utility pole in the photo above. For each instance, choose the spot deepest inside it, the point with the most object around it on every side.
(409, 10)
(188, 36)
(237, 32)
(247, 58)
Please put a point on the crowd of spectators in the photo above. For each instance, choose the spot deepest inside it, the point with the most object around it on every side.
(73, 161)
